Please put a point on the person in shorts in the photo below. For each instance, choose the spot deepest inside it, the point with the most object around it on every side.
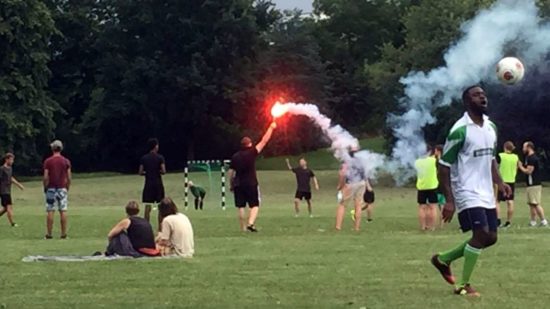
(6, 179)
(368, 199)
(243, 181)
(152, 166)
(304, 176)
(508, 168)
(199, 193)
(427, 185)
(352, 184)
(531, 169)
(57, 181)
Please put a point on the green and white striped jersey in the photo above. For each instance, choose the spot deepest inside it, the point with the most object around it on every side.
(469, 152)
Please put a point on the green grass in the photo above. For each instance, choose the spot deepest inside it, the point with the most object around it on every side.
(290, 263)
(320, 159)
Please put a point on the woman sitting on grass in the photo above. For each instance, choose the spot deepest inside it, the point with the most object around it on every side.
(132, 236)
(176, 235)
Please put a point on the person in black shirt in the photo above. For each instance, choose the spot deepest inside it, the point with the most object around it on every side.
(243, 181)
(152, 166)
(303, 180)
(531, 169)
(138, 230)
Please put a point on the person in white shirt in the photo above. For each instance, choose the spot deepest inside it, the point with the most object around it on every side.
(176, 234)
(467, 172)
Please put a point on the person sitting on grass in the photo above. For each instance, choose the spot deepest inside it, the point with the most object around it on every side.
(176, 234)
(199, 193)
(132, 236)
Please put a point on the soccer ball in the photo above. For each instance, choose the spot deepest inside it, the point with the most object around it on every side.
(510, 70)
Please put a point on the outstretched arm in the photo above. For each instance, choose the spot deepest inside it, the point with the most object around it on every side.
(267, 136)
(288, 164)
(17, 183)
(316, 183)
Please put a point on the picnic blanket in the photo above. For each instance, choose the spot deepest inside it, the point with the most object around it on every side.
(86, 258)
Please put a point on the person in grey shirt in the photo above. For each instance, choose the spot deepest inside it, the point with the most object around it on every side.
(6, 180)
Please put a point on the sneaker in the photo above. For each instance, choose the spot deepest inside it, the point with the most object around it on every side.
(444, 269)
(97, 253)
(543, 223)
(48, 237)
(15, 225)
(369, 220)
(507, 225)
(533, 223)
(252, 228)
(467, 290)
(352, 213)
(64, 236)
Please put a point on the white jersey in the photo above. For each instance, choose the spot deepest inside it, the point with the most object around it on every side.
(469, 152)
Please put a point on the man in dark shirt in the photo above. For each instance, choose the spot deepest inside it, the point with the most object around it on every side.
(6, 179)
(152, 166)
(243, 180)
(138, 230)
(57, 180)
(303, 181)
(531, 169)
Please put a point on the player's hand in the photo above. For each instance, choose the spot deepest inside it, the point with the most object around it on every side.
(317, 188)
(448, 211)
(369, 189)
(273, 125)
(505, 189)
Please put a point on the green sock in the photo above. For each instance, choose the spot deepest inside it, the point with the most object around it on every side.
(470, 258)
(453, 254)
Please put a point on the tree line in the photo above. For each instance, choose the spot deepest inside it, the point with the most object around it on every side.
(106, 75)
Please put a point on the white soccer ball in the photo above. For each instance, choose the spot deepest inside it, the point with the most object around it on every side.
(510, 70)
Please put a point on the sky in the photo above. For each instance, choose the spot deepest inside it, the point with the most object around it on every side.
(304, 5)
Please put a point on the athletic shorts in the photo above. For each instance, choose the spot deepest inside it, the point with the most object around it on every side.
(152, 193)
(6, 199)
(478, 218)
(247, 195)
(534, 195)
(57, 199)
(353, 192)
(302, 195)
(368, 197)
(502, 198)
(427, 197)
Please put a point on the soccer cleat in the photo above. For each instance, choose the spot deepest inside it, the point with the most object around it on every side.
(352, 213)
(506, 225)
(466, 290)
(48, 237)
(444, 269)
(14, 225)
(252, 228)
(533, 223)
(543, 223)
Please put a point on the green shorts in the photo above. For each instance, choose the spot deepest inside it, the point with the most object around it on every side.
(441, 199)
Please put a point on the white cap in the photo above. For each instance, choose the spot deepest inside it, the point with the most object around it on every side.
(57, 144)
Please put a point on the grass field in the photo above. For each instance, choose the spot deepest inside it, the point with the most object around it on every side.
(291, 263)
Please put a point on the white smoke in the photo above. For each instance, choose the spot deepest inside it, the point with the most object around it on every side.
(341, 140)
(507, 25)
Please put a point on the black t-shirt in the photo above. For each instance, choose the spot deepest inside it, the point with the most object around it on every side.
(534, 178)
(141, 233)
(5, 179)
(244, 164)
(303, 178)
(151, 163)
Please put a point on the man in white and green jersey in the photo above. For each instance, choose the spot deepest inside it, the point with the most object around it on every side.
(508, 168)
(467, 171)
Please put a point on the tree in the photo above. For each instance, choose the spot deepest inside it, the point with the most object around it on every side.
(26, 110)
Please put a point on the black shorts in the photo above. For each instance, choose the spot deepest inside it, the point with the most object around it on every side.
(152, 193)
(502, 198)
(427, 197)
(368, 197)
(303, 195)
(6, 199)
(478, 218)
(247, 195)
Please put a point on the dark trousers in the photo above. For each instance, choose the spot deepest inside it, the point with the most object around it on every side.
(199, 201)
(121, 245)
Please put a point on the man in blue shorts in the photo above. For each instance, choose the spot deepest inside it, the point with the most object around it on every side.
(467, 172)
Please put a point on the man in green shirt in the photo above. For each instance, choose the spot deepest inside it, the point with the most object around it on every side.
(199, 193)
(508, 168)
(427, 184)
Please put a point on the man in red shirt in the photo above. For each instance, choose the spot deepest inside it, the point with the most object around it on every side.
(57, 180)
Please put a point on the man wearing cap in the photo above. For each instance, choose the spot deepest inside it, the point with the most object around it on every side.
(243, 179)
(57, 180)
